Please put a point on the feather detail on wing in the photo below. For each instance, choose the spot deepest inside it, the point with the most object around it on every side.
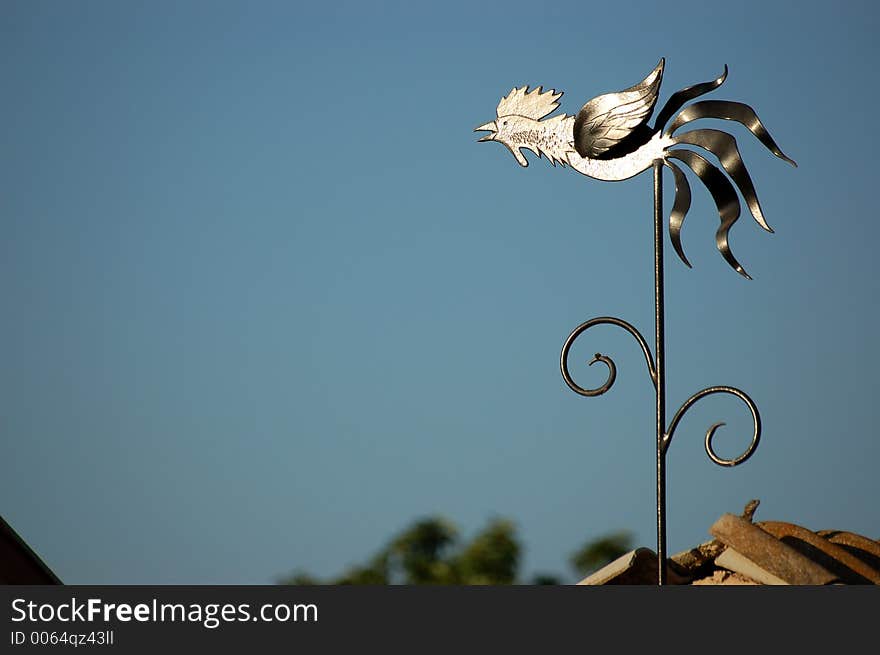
(608, 119)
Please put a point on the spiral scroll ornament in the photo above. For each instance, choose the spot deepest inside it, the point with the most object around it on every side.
(710, 433)
(612, 369)
(649, 361)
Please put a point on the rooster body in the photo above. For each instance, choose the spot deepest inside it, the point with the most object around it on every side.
(553, 139)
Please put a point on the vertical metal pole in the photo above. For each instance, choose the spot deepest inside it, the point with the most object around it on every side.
(659, 353)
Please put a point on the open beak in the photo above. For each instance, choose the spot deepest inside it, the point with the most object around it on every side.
(490, 127)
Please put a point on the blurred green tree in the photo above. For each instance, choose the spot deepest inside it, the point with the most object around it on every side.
(597, 553)
(430, 552)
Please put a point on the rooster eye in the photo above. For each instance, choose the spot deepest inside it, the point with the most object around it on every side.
(504, 123)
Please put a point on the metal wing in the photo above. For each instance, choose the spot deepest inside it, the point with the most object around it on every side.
(608, 119)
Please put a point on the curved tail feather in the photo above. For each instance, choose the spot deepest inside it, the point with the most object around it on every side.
(724, 195)
(680, 208)
(723, 145)
(727, 110)
(679, 98)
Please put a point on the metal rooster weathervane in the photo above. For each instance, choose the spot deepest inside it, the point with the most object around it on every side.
(610, 139)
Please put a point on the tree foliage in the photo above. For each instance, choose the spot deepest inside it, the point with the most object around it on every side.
(430, 551)
(597, 553)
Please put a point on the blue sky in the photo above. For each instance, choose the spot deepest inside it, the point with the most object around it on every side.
(267, 301)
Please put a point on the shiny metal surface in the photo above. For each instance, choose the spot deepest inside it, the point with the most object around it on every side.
(725, 199)
(660, 350)
(678, 99)
(732, 111)
(680, 207)
(607, 120)
(723, 146)
(610, 140)
(621, 168)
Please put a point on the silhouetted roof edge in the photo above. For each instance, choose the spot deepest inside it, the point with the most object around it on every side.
(19, 564)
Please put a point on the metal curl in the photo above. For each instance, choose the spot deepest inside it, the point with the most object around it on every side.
(726, 201)
(710, 434)
(679, 98)
(732, 111)
(612, 369)
(723, 146)
(680, 209)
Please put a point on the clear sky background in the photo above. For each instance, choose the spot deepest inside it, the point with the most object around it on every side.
(266, 301)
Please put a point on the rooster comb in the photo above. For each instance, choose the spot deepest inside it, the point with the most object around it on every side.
(533, 104)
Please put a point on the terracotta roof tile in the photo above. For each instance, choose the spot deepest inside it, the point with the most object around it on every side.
(637, 567)
(768, 552)
(847, 567)
(865, 549)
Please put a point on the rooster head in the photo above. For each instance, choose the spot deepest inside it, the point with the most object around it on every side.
(517, 117)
